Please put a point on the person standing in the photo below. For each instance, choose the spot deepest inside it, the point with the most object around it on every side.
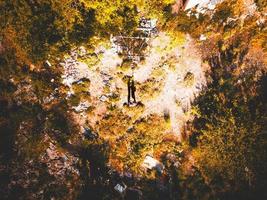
(131, 90)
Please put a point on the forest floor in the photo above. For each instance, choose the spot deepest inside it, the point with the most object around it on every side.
(167, 82)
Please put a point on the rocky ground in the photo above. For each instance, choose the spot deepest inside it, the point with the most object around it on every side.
(167, 81)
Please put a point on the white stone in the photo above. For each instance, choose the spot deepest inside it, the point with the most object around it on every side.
(82, 106)
(48, 63)
(202, 4)
(120, 188)
(150, 162)
(103, 98)
(202, 37)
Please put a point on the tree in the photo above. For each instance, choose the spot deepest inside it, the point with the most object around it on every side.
(232, 141)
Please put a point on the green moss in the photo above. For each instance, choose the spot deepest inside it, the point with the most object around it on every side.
(74, 100)
(91, 61)
(81, 86)
(189, 79)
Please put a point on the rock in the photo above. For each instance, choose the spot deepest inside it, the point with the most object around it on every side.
(103, 98)
(202, 37)
(47, 64)
(151, 163)
(120, 188)
(83, 106)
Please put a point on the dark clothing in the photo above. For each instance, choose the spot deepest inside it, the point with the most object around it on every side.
(131, 90)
